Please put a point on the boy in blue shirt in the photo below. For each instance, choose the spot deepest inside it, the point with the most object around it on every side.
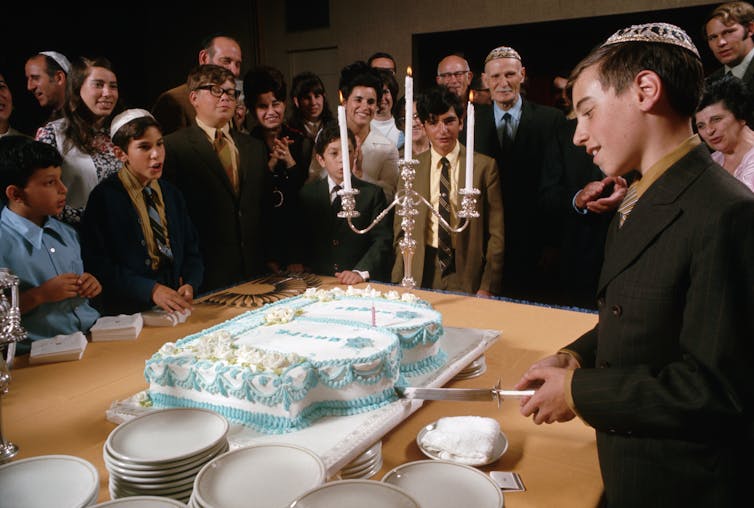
(43, 252)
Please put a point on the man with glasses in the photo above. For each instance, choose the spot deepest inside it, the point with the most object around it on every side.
(453, 72)
(173, 109)
(221, 174)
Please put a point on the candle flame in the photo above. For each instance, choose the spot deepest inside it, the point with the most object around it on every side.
(340, 94)
(471, 96)
(408, 71)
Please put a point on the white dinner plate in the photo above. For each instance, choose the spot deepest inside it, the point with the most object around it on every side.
(371, 455)
(163, 468)
(66, 481)
(361, 493)
(499, 448)
(444, 484)
(272, 475)
(143, 502)
(167, 435)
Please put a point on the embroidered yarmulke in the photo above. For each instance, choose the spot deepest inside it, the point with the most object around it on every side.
(502, 52)
(123, 118)
(653, 32)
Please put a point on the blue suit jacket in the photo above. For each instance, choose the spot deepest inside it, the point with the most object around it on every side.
(114, 249)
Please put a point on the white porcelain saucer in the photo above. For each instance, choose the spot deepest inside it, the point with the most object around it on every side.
(143, 502)
(361, 493)
(444, 484)
(67, 481)
(499, 449)
(272, 475)
(166, 436)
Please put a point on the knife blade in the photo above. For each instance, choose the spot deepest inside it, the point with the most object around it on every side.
(465, 394)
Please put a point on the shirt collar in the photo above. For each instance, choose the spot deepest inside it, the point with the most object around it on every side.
(331, 184)
(210, 131)
(30, 231)
(515, 111)
(740, 69)
(452, 156)
(661, 166)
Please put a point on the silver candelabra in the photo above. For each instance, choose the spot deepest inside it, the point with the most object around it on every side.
(11, 332)
(408, 201)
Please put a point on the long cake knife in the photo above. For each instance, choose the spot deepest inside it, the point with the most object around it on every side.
(460, 394)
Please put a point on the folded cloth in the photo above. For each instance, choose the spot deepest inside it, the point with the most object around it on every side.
(465, 439)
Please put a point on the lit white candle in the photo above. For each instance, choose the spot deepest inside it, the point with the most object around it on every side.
(344, 146)
(408, 128)
(470, 143)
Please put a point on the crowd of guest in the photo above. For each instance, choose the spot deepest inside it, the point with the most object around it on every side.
(224, 179)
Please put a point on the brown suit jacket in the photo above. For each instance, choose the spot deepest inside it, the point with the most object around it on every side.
(479, 247)
(174, 110)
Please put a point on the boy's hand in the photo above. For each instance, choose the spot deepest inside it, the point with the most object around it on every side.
(59, 288)
(187, 293)
(169, 299)
(349, 277)
(88, 285)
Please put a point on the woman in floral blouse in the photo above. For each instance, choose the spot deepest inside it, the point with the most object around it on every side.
(81, 136)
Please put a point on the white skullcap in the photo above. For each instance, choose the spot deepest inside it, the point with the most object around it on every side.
(664, 33)
(59, 58)
(123, 118)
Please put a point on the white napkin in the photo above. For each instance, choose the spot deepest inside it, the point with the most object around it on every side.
(464, 439)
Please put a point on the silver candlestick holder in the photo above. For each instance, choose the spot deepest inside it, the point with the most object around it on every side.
(408, 202)
(11, 332)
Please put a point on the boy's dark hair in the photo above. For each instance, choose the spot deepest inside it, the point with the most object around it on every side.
(680, 70)
(436, 101)
(134, 130)
(208, 74)
(263, 79)
(329, 133)
(732, 92)
(359, 74)
(20, 157)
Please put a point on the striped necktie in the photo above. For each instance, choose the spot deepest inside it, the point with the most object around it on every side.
(158, 230)
(225, 153)
(628, 203)
(444, 242)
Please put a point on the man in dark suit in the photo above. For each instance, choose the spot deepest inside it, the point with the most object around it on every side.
(330, 246)
(515, 132)
(220, 173)
(665, 376)
(173, 108)
(472, 261)
(728, 30)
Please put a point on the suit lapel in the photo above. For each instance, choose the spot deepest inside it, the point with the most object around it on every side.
(207, 155)
(657, 209)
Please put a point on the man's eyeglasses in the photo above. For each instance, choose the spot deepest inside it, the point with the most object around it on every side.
(218, 91)
(448, 75)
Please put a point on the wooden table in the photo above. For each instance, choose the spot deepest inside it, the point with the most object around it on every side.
(60, 408)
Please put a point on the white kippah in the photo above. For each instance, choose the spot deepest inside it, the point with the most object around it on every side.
(123, 118)
(502, 52)
(664, 33)
(60, 58)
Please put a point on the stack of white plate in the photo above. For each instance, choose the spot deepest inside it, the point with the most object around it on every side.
(443, 484)
(49, 481)
(361, 493)
(160, 453)
(263, 476)
(142, 502)
(365, 465)
(472, 370)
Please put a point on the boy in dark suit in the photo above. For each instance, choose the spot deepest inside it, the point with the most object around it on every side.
(665, 376)
(331, 247)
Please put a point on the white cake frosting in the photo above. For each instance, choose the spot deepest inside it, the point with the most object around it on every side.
(281, 367)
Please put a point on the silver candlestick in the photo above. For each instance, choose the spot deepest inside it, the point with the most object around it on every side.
(408, 201)
(11, 332)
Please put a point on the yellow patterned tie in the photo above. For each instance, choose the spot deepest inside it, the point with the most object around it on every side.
(444, 241)
(628, 203)
(225, 153)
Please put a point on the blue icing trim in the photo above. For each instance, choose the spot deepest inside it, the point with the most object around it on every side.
(359, 342)
(278, 425)
(425, 366)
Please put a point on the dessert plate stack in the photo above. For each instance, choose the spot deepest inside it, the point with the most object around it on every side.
(49, 481)
(142, 502)
(365, 465)
(264, 476)
(472, 370)
(160, 453)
